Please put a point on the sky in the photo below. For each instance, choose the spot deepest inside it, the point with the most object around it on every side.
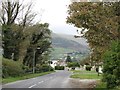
(54, 12)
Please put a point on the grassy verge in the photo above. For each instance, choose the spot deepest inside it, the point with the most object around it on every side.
(92, 75)
(100, 84)
(85, 75)
(27, 76)
(83, 71)
(103, 86)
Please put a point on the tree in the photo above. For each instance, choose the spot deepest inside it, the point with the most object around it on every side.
(73, 64)
(111, 70)
(14, 26)
(68, 59)
(100, 25)
(22, 37)
(97, 22)
(39, 39)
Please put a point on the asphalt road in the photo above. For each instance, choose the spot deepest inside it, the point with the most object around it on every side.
(58, 79)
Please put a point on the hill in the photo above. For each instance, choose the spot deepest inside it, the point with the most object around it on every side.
(63, 44)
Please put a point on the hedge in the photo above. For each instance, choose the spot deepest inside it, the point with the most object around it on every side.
(88, 67)
(59, 67)
(11, 68)
(43, 68)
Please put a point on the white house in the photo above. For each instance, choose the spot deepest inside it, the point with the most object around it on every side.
(54, 63)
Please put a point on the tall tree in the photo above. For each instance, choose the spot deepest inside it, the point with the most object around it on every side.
(68, 59)
(112, 56)
(39, 39)
(97, 23)
(9, 14)
(14, 24)
(101, 21)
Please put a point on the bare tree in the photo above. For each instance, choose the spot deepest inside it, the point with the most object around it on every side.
(10, 11)
(14, 12)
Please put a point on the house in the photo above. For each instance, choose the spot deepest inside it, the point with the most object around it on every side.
(57, 63)
(54, 63)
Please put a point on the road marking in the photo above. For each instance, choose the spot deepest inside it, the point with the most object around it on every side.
(51, 73)
(41, 82)
(34, 78)
(32, 86)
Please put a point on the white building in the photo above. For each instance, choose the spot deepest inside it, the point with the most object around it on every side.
(54, 63)
(57, 63)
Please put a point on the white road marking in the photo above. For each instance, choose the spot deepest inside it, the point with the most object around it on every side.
(34, 78)
(32, 86)
(51, 73)
(41, 82)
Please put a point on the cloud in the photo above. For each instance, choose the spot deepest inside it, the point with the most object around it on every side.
(54, 12)
(64, 29)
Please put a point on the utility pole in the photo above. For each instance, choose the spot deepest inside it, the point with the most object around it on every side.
(34, 61)
(34, 52)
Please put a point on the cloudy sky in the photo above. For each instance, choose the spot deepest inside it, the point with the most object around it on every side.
(54, 12)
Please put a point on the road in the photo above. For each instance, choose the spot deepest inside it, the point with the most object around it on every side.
(58, 79)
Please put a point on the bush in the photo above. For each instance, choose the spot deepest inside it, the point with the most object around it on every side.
(88, 67)
(43, 68)
(11, 68)
(111, 66)
(73, 68)
(46, 68)
(73, 64)
(27, 69)
(59, 67)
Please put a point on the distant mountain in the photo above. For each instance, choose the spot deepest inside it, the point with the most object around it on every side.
(63, 44)
(71, 37)
(69, 42)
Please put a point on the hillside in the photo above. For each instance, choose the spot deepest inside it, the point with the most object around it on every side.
(81, 40)
(67, 44)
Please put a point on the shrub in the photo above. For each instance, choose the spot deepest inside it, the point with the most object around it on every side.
(46, 68)
(43, 68)
(11, 68)
(73, 64)
(73, 68)
(88, 67)
(111, 66)
(27, 69)
(59, 67)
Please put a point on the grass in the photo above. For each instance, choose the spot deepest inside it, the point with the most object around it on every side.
(92, 75)
(85, 75)
(103, 86)
(100, 85)
(27, 76)
(83, 71)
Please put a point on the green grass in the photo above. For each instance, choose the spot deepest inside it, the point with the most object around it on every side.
(100, 84)
(103, 86)
(91, 75)
(83, 71)
(28, 76)
(85, 75)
